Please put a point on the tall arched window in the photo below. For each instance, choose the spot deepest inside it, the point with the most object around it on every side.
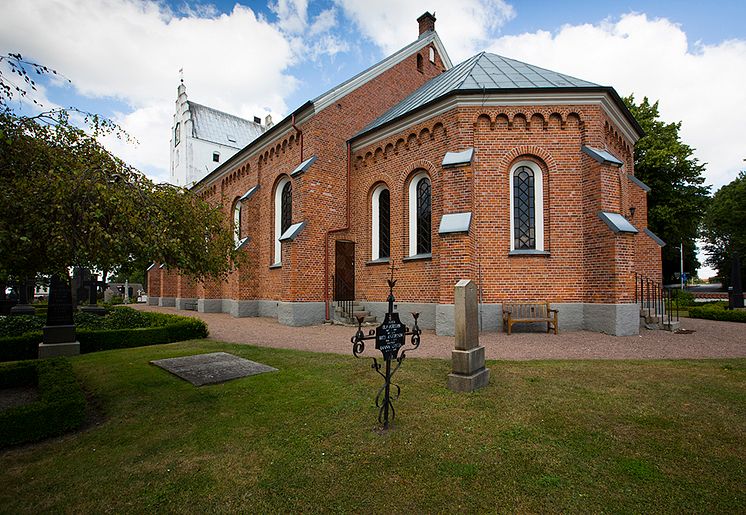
(526, 207)
(177, 133)
(381, 223)
(420, 213)
(283, 213)
(237, 222)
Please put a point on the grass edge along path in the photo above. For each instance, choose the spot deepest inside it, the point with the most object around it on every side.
(578, 436)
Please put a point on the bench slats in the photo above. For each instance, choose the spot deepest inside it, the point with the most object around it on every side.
(517, 312)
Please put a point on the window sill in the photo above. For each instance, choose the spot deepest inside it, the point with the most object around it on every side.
(418, 257)
(528, 253)
(275, 265)
(379, 261)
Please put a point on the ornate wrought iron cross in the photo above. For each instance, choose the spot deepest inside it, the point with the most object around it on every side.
(390, 337)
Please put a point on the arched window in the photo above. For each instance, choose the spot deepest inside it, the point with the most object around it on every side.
(237, 222)
(432, 55)
(526, 207)
(283, 214)
(177, 133)
(420, 213)
(419, 63)
(381, 223)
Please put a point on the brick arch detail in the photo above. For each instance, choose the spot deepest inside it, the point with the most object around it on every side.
(528, 150)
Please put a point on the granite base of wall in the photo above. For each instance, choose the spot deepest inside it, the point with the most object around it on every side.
(241, 308)
(301, 313)
(210, 305)
(167, 302)
(181, 302)
(614, 319)
(153, 301)
(268, 308)
(405, 310)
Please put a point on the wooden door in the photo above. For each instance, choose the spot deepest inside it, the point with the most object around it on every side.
(344, 270)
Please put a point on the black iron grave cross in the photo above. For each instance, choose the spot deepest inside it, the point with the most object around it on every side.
(93, 284)
(390, 337)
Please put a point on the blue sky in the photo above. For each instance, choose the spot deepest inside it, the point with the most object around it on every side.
(254, 58)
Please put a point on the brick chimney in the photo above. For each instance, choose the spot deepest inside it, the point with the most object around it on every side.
(427, 22)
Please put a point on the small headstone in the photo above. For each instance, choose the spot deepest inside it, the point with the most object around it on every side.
(59, 333)
(469, 373)
(213, 368)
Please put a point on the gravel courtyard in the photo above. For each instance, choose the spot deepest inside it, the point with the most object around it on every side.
(710, 339)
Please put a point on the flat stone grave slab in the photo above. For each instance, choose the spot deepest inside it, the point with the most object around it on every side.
(213, 368)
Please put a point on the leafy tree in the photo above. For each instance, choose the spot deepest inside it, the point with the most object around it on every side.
(66, 201)
(678, 197)
(724, 229)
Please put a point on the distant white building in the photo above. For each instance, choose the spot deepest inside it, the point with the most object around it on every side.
(202, 138)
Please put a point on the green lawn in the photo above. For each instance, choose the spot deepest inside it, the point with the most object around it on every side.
(544, 436)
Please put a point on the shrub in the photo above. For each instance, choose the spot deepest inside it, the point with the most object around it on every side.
(61, 406)
(683, 298)
(116, 318)
(186, 329)
(717, 312)
(160, 328)
(26, 346)
(17, 325)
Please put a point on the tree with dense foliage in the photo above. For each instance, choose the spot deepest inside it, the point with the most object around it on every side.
(678, 197)
(67, 201)
(724, 228)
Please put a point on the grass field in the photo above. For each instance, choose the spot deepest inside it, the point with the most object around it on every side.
(557, 436)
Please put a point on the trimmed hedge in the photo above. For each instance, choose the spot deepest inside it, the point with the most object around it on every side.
(61, 406)
(14, 348)
(718, 312)
(164, 328)
(186, 329)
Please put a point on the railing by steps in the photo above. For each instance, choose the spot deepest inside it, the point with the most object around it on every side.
(656, 302)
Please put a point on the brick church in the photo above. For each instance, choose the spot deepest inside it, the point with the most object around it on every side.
(516, 177)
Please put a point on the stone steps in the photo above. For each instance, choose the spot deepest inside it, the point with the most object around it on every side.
(358, 310)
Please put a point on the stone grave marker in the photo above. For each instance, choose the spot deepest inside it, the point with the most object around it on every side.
(212, 368)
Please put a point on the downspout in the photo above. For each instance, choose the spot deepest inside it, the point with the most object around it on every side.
(338, 229)
(300, 135)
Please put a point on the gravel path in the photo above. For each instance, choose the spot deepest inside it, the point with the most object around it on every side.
(710, 339)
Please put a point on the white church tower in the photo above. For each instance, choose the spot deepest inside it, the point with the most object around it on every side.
(202, 138)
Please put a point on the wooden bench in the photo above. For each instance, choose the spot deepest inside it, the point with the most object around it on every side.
(525, 312)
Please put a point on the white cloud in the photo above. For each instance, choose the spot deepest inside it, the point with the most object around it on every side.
(465, 26)
(132, 50)
(703, 88)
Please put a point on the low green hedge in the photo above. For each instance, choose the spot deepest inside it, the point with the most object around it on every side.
(185, 329)
(163, 328)
(14, 348)
(60, 408)
(717, 312)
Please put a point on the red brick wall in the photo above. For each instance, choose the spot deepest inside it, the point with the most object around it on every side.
(318, 195)
(587, 261)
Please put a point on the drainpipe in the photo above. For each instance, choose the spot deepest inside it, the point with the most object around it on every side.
(338, 229)
(300, 135)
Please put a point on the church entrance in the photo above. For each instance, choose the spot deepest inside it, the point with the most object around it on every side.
(344, 271)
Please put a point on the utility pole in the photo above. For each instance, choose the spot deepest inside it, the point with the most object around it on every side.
(681, 265)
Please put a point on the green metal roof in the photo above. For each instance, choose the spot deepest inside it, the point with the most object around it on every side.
(483, 72)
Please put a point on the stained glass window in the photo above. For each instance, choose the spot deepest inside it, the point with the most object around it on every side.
(423, 216)
(287, 207)
(237, 222)
(384, 224)
(524, 209)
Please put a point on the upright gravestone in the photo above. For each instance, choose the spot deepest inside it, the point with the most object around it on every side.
(93, 283)
(25, 290)
(469, 373)
(59, 333)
